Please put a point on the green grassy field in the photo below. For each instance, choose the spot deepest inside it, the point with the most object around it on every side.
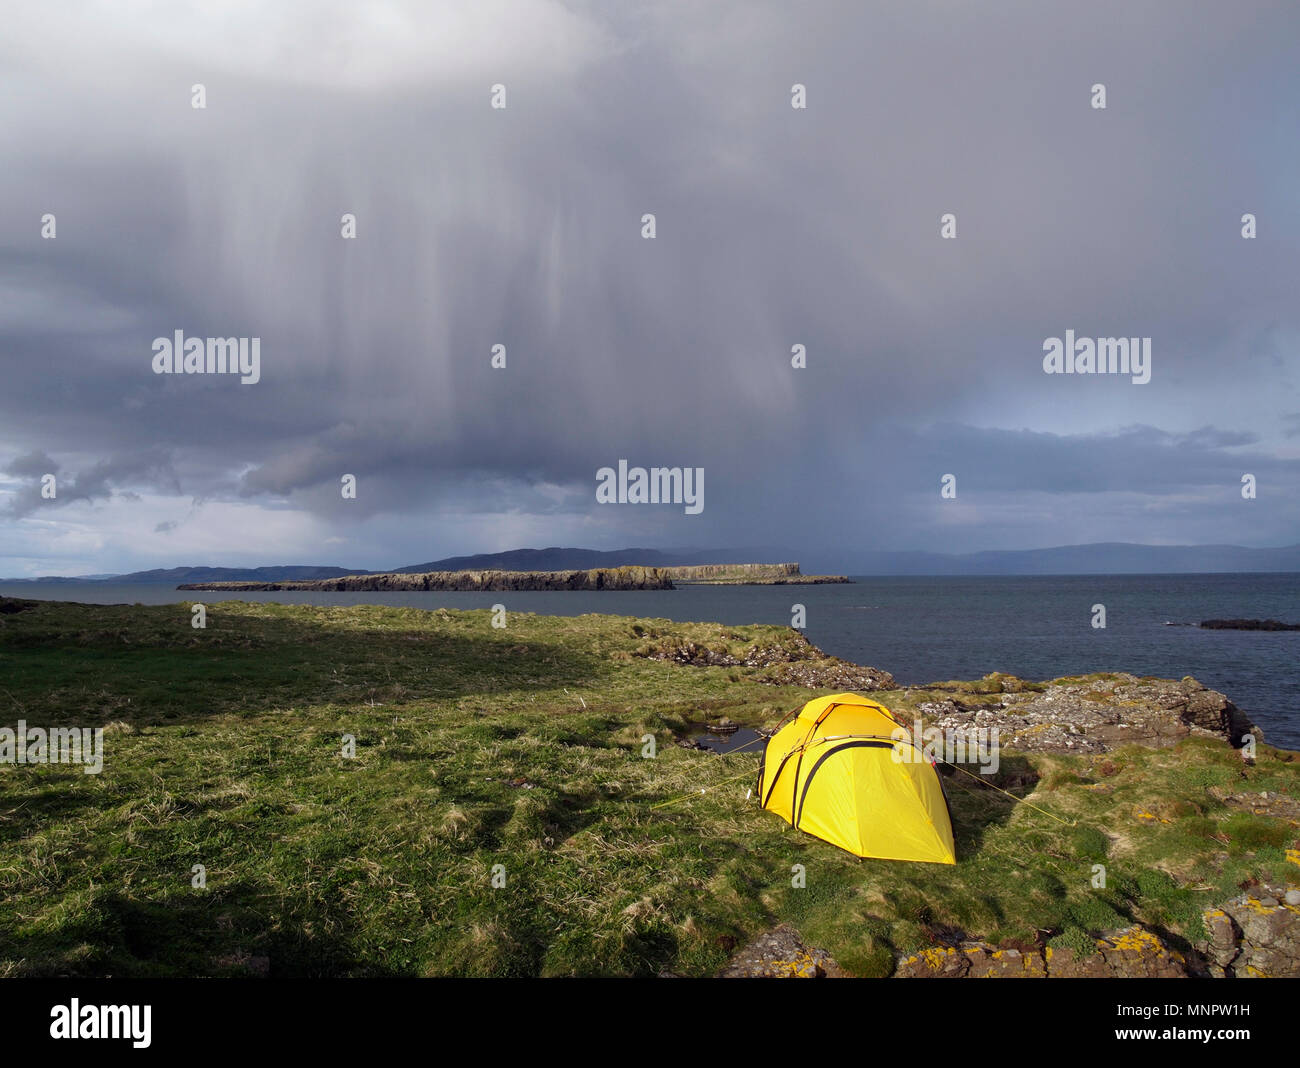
(521, 747)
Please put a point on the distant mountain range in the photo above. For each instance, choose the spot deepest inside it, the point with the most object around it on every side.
(554, 559)
(1099, 558)
(586, 559)
(175, 575)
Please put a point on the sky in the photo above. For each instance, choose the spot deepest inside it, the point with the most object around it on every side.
(522, 226)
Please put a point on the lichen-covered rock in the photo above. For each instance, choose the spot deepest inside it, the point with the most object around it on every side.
(1223, 945)
(972, 960)
(1133, 952)
(829, 673)
(1254, 936)
(781, 954)
(684, 651)
(791, 661)
(1096, 714)
(1262, 803)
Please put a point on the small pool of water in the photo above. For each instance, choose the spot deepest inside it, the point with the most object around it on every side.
(745, 739)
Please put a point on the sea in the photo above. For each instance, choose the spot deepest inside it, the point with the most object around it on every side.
(931, 629)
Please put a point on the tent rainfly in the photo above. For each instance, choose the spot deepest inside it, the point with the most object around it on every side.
(844, 771)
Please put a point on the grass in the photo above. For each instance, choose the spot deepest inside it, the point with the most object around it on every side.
(522, 747)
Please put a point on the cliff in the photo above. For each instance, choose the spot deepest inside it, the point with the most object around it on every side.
(601, 578)
(749, 574)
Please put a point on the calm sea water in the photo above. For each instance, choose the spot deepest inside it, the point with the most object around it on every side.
(930, 629)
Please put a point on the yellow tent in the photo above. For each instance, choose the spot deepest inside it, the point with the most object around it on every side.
(839, 772)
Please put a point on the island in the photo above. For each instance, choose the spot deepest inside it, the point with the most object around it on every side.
(599, 578)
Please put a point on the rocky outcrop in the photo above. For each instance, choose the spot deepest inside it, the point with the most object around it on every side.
(1262, 803)
(1254, 936)
(1094, 714)
(750, 574)
(704, 572)
(602, 578)
(1130, 953)
(828, 673)
(791, 661)
(781, 954)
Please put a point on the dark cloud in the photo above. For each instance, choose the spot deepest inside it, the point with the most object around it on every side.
(32, 465)
(98, 482)
(775, 227)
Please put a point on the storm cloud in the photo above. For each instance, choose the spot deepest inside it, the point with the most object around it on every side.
(522, 227)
